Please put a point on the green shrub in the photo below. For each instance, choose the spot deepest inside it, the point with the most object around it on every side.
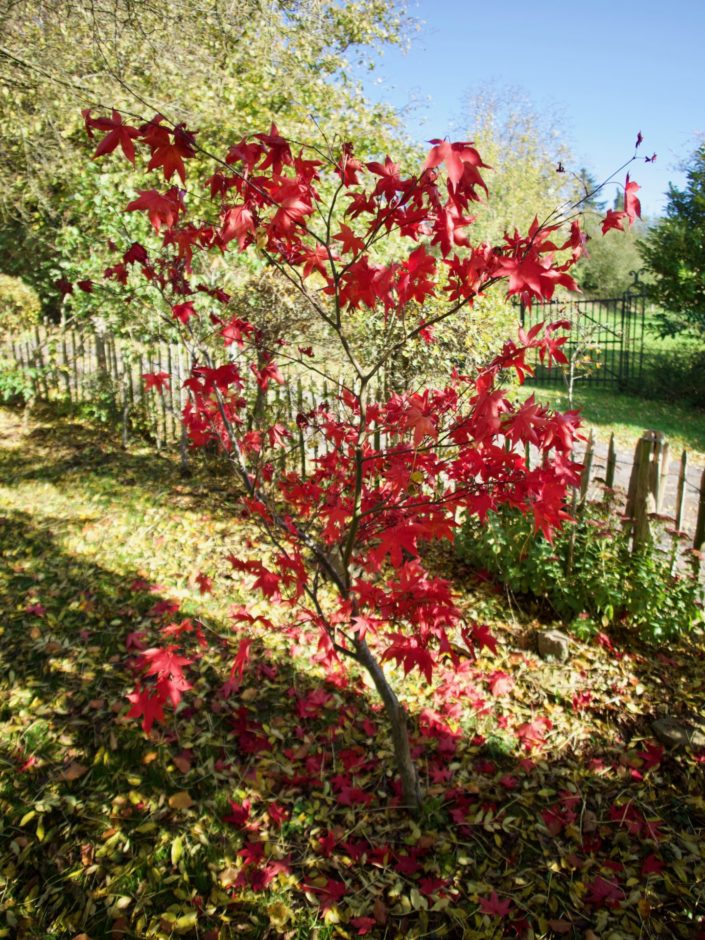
(19, 305)
(17, 385)
(674, 375)
(587, 577)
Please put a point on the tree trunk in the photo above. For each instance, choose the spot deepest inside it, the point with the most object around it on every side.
(400, 735)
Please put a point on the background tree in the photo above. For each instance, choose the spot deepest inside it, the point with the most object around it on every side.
(250, 60)
(674, 254)
(605, 270)
(525, 147)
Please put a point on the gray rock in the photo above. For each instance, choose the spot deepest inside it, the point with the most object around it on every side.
(674, 733)
(554, 645)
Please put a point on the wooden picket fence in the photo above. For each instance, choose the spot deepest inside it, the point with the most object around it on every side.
(658, 494)
(82, 366)
(662, 499)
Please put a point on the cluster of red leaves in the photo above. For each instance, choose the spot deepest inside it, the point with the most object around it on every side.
(161, 668)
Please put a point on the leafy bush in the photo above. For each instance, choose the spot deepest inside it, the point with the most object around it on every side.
(588, 576)
(19, 305)
(17, 385)
(675, 375)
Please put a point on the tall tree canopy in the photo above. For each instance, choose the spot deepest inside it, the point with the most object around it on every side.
(674, 253)
(223, 66)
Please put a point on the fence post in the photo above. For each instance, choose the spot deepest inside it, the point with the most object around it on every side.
(659, 469)
(700, 525)
(611, 463)
(587, 468)
(647, 484)
(680, 492)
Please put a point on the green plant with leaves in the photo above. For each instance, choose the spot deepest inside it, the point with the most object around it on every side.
(587, 576)
(19, 306)
(252, 60)
(674, 254)
(17, 385)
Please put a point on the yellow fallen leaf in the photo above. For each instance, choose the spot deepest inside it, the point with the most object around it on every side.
(180, 800)
(74, 771)
(279, 915)
(228, 875)
(177, 850)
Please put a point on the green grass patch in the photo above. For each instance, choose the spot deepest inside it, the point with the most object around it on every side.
(628, 416)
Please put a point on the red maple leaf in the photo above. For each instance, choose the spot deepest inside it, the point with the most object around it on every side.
(162, 209)
(493, 906)
(329, 895)
(205, 584)
(278, 814)
(170, 154)
(351, 243)
(479, 635)
(651, 755)
(149, 705)
(239, 813)
(604, 893)
(158, 380)
(500, 683)
(532, 733)
(133, 640)
(408, 653)
(267, 374)
(613, 219)
(279, 151)
(183, 312)
(455, 156)
(238, 667)
(165, 663)
(239, 224)
(118, 134)
(632, 206)
(652, 865)
(293, 205)
(136, 253)
(363, 925)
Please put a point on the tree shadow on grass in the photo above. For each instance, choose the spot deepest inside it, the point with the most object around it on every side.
(110, 831)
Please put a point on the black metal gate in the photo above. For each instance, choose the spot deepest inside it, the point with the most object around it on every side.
(605, 343)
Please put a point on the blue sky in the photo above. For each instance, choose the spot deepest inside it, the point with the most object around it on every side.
(609, 68)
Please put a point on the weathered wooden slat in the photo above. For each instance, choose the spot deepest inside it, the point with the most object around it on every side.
(587, 467)
(700, 524)
(611, 463)
(680, 491)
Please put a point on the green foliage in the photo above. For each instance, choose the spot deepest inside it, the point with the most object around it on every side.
(17, 385)
(225, 68)
(626, 416)
(675, 374)
(19, 305)
(524, 148)
(606, 271)
(587, 577)
(674, 254)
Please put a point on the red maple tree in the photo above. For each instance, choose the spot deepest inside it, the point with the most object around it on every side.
(385, 477)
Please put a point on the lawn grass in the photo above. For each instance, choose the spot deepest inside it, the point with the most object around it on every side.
(272, 810)
(628, 416)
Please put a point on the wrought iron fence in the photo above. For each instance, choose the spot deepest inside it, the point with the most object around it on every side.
(605, 346)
